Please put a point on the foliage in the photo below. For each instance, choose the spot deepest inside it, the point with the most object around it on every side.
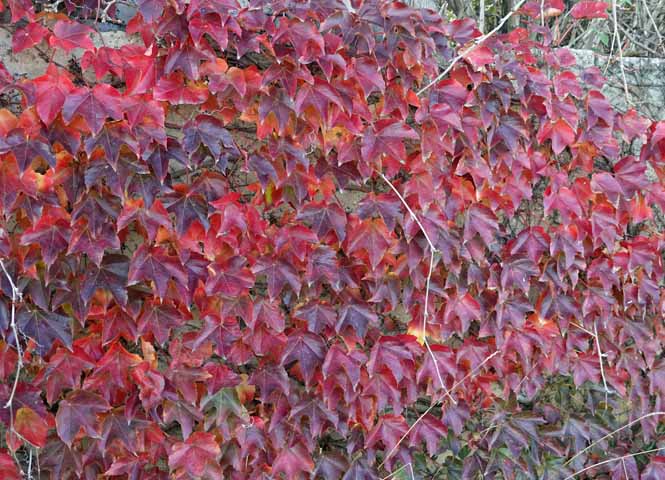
(190, 291)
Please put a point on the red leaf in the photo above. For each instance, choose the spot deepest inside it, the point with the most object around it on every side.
(325, 218)
(177, 91)
(560, 133)
(94, 106)
(52, 89)
(388, 430)
(589, 10)
(8, 469)
(31, 426)
(197, 456)
(26, 148)
(373, 237)
(278, 273)
(70, 35)
(356, 315)
(230, 278)
(293, 461)
(157, 266)
(308, 350)
(79, 411)
(45, 328)
(28, 37)
(430, 430)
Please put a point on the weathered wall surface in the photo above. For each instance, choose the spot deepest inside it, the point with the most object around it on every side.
(645, 78)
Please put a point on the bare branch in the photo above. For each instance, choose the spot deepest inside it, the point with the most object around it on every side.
(16, 296)
(475, 45)
(612, 460)
(616, 37)
(628, 425)
(600, 360)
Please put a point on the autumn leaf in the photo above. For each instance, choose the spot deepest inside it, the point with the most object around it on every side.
(70, 35)
(78, 411)
(197, 456)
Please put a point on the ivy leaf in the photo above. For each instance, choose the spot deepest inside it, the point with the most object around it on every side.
(293, 461)
(177, 91)
(45, 328)
(318, 316)
(31, 426)
(159, 318)
(560, 133)
(8, 469)
(208, 131)
(188, 207)
(26, 148)
(28, 37)
(388, 431)
(482, 221)
(230, 278)
(278, 273)
(325, 218)
(79, 411)
(197, 456)
(356, 315)
(386, 138)
(186, 58)
(111, 275)
(154, 264)
(589, 10)
(70, 35)
(151, 9)
(111, 139)
(308, 350)
(384, 205)
(64, 371)
(93, 105)
(429, 430)
(372, 236)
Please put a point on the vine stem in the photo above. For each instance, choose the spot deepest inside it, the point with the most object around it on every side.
(612, 460)
(612, 433)
(16, 296)
(432, 250)
(600, 359)
(436, 404)
(408, 466)
(617, 38)
(447, 393)
(476, 44)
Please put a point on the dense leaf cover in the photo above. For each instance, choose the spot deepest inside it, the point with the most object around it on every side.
(217, 279)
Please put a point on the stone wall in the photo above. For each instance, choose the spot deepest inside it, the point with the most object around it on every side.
(645, 78)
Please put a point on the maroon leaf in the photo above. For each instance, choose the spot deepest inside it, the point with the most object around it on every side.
(79, 411)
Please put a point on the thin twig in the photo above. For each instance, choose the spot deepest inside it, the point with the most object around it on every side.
(16, 296)
(407, 465)
(434, 405)
(589, 332)
(612, 460)
(628, 425)
(600, 359)
(653, 22)
(433, 250)
(616, 36)
(476, 44)
(481, 16)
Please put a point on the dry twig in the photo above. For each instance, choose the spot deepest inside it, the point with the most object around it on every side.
(476, 43)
